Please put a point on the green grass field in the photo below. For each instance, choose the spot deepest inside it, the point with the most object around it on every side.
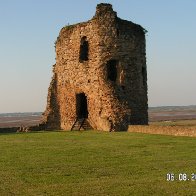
(95, 163)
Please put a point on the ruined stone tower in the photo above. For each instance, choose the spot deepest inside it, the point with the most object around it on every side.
(100, 74)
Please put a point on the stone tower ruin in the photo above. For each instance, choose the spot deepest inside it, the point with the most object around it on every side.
(100, 75)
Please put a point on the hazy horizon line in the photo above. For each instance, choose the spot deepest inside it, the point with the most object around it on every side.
(192, 105)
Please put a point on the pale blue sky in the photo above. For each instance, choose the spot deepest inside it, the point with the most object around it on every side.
(29, 28)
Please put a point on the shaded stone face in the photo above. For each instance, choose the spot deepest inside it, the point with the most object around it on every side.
(100, 74)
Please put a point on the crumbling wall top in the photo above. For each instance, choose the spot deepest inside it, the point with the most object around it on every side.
(103, 9)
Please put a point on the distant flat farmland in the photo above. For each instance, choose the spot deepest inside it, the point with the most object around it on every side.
(169, 113)
(19, 119)
(166, 113)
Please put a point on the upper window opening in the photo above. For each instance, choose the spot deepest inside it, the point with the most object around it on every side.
(84, 49)
(112, 70)
(117, 32)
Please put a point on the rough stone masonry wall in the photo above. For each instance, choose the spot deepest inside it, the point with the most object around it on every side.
(112, 105)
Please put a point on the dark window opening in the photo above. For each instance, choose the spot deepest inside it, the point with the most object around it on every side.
(117, 32)
(112, 70)
(81, 106)
(84, 49)
(123, 88)
(143, 75)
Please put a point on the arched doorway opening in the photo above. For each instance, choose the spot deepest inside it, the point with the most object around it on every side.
(81, 106)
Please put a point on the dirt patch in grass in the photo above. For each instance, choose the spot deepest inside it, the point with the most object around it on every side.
(165, 130)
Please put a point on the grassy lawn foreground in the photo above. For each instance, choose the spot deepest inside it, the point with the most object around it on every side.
(95, 163)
